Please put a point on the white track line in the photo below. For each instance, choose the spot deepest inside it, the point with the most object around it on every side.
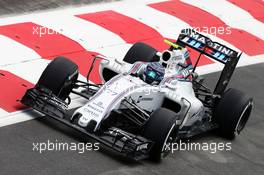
(13, 52)
(165, 24)
(3, 113)
(29, 71)
(89, 35)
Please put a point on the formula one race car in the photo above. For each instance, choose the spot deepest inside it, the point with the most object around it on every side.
(148, 100)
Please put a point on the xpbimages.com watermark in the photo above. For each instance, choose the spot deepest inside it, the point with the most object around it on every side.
(56, 145)
(212, 30)
(212, 147)
(43, 31)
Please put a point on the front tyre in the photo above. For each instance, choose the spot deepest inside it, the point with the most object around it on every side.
(59, 77)
(162, 130)
(232, 113)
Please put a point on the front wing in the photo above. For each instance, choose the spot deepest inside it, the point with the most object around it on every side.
(127, 144)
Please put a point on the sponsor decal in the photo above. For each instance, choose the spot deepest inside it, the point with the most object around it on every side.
(140, 98)
(214, 45)
(54, 101)
(91, 111)
(143, 146)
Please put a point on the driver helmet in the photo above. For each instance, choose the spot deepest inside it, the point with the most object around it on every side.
(173, 59)
(153, 73)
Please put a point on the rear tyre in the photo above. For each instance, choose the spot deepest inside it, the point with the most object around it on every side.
(162, 130)
(232, 113)
(141, 52)
(59, 77)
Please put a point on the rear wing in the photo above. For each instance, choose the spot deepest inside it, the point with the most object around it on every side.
(214, 50)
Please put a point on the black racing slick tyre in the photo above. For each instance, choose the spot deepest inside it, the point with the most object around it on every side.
(141, 52)
(162, 130)
(232, 113)
(59, 77)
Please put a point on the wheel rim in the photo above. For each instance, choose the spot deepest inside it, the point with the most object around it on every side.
(170, 138)
(243, 118)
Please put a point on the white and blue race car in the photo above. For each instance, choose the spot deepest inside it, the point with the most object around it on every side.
(147, 101)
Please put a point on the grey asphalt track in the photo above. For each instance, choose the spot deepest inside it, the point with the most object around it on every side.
(246, 156)
(10, 7)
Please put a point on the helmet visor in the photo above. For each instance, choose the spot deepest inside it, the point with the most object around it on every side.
(151, 74)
